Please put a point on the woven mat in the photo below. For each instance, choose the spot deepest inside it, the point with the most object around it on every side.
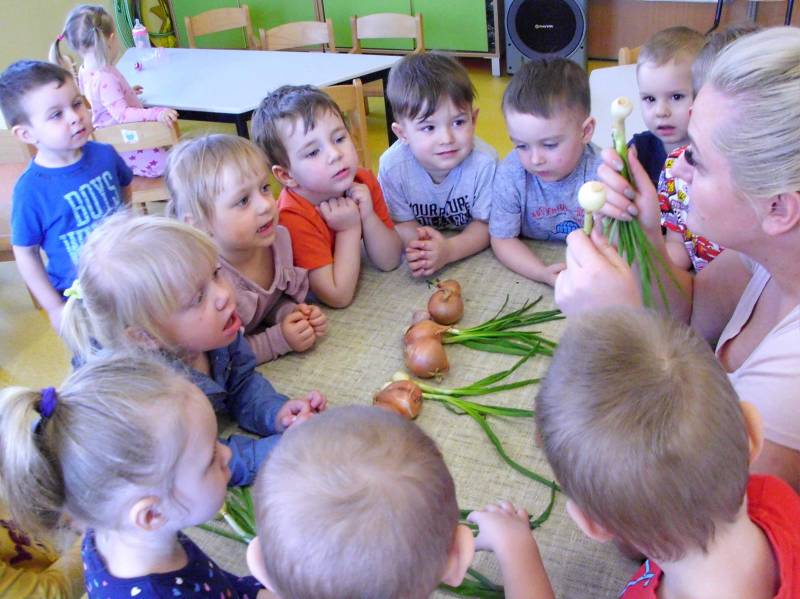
(363, 349)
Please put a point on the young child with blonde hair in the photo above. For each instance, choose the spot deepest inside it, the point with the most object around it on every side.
(328, 203)
(90, 31)
(664, 76)
(154, 283)
(363, 500)
(220, 184)
(651, 446)
(126, 450)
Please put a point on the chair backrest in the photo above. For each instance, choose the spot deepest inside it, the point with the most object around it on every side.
(299, 35)
(130, 137)
(628, 55)
(350, 99)
(14, 158)
(387, 25)
(221, 19)
(605, 86)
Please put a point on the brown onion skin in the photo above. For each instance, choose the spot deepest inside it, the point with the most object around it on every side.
(401, 397)
(450, 284)
(426, 358)
(424, 329)
(446, 306)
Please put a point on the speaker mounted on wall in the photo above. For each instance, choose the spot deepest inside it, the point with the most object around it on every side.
(545, 28)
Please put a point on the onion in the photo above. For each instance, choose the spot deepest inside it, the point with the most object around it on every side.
(591, 197)
(424, 329)
(446, 305)
(419, 316)
(402, 397)
(426, 358)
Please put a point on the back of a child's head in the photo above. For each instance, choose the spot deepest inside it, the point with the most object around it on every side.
(548, 86)
(134, 273)
(298, 106)
(86, 30)
(714, 44)
(357, 502)
(644, 431)
(21, 78)
(198, 169)
(678, 44)
(83, 450)
(421, 81)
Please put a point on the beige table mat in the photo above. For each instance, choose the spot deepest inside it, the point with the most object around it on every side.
(363, 349)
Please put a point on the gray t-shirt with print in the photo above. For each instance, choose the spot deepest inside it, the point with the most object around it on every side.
(464, 195)
(539, 209)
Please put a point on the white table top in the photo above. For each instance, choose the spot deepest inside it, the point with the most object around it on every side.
(235, 81)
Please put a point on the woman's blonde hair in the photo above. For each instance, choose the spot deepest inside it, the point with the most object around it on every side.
(134, 273)
(106, 433)
(197, 169)
(759, 74)
(87, 28)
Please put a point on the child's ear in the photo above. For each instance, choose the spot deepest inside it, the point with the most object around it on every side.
(460, 556)
(255, 562)
(283, 176)
(141, 338)
(590, 528)
(755, 429)
(23, 133)
(587, 129)
(475, 116)
(146, 514)
(398, 130)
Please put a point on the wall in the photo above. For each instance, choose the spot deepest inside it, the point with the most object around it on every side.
(617, 23)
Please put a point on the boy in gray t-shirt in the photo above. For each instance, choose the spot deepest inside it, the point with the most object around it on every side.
(437, 175)
(546, 107)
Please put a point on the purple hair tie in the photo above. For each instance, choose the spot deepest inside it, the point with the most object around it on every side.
(48, 402)
(60, 37)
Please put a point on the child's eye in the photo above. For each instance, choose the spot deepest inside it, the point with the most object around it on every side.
(55, 115)
(341, 139)
(689, 155)
(243, 201)
(77, 103)
(678, 97)
(312, 153)
(648, 99)
(459, 122)
(215, 274)
(550, 146)
(265, 188)
(522, 147)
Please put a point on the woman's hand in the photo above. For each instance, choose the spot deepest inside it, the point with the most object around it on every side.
(596, 276)
(623, 201)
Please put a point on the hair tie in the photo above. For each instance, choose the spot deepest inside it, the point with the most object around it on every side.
(46, 407)
(60, 37)
(74, 290)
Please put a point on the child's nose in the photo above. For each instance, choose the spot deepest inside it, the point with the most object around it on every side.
(334, 153)
(266, 203)
(224, 453)
(446, 135)
(223, 294)
(662, 108)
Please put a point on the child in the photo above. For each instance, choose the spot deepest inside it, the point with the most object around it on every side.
(437, 175)
(220, 183)
(90, 32)
(664, 75)
(650, 444)
(686, 249)
(70, 186)
(153, 283)
(364, 501)
(125, 449)
(328, 203)
(546, 107)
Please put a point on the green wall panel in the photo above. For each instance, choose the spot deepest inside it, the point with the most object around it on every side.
(340, 11)
(266, 14)
(458, 25)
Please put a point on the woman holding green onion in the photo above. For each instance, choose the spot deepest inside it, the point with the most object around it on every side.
(743, 171)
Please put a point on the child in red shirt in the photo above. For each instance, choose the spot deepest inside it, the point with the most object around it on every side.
(328, 203)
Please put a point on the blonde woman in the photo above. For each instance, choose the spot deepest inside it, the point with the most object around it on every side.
(743, 171)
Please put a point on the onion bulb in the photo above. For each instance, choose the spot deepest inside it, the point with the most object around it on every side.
(446, 305)
(426, 358)
(591, 197)
(424, 329)
(402, 397)
(419, 316)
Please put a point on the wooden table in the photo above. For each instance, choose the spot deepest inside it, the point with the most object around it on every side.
(228, 85)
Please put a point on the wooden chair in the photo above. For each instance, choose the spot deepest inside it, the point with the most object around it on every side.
(14, 159)
(299, 35)
(385, 25)
(129, 137)
(221, 19)
(350, 99)
(628, 55)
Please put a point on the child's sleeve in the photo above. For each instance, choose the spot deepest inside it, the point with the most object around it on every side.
(270, 343)
(310, 244)
(505, 221)
(392, 187)
(112, 97)
(252, 401)
(27, 220)
(484, 181)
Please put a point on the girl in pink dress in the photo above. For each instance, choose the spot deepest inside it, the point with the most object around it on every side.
(90, 32)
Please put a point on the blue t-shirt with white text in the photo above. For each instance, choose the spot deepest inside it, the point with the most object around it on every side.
(57, 208)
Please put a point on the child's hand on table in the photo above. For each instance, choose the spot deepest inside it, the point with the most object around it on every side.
(137, 89)
(297, 331)
(168, 116)
(501, 527)
(427, 253)
(315, 317)
(297, 411)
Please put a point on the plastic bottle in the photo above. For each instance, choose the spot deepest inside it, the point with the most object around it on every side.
(141, 39)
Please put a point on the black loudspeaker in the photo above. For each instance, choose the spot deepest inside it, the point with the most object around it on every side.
(542, 28)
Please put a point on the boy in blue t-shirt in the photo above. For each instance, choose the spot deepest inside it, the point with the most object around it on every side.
(69, 187)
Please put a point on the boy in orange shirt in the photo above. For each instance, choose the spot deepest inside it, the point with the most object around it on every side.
(328, 203)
